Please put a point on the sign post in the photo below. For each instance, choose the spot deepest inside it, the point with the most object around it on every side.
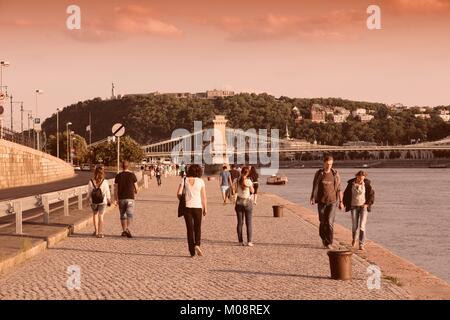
(118, 130)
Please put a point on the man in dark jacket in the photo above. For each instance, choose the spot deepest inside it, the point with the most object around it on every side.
(359, 197)
(327, 193)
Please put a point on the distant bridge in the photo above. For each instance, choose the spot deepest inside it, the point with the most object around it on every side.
(240, 142)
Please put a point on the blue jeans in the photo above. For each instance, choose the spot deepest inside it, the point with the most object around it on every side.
(327, 214)
(244, 212)
(359, 220)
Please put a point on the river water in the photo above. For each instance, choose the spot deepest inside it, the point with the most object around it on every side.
(410, 217)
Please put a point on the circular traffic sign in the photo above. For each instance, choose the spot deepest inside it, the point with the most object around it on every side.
(118, 130)
(2, 96)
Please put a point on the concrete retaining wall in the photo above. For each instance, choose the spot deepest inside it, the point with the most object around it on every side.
(22, 166)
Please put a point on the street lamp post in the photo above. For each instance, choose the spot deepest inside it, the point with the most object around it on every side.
(30, 117)
(71, 146)
(68, 134)
(37, 119)
(21, 109)
(57, 132)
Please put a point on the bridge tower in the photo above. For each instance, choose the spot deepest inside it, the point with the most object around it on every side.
(219, 143)
(219, 146)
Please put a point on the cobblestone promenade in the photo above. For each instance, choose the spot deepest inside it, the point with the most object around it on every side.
(287, 261)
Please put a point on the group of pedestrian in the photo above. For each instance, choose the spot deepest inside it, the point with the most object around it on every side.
(357, 198)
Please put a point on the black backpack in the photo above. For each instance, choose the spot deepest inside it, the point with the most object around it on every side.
(97, 194)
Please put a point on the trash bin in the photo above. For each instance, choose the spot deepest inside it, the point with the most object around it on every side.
(340, 264)
(277, 211)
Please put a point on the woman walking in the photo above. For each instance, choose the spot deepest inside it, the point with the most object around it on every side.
(244, 206)
(196, 206)
(254, 177)
(359, 197)
(99, 198)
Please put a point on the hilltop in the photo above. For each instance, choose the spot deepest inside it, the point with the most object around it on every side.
(152, 117)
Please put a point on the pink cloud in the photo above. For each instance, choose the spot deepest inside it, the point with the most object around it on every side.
(130, 20)
(21, 23)
(333, 25)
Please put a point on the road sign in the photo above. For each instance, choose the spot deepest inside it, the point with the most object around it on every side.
(2, 96)
(118, 130)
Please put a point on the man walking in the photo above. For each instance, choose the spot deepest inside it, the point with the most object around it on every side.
(225, 183)
(158, 175)
(326, 192)
(125, 189)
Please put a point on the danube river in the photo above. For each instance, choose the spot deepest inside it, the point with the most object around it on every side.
(411, 215)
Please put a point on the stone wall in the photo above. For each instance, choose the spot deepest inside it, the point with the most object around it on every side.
(22, 166)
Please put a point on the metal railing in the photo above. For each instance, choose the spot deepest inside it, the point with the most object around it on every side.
(18, 206)
(15, 137)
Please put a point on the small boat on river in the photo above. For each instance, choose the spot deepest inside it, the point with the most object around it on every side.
(277, 180)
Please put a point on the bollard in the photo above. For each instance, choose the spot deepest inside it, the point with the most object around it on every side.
(66, 204)
(277, 211)
(46, 209)
(340, 264)
(18, 212)
(80, 198)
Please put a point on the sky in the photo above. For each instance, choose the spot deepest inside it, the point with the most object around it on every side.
(293, 48)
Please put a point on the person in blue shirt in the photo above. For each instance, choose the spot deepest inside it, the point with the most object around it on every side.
(225, 183)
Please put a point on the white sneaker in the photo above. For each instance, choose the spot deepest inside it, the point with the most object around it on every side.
(250, 244)
(198, 251)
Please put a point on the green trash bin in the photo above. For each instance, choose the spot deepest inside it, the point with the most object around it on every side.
(340, 264)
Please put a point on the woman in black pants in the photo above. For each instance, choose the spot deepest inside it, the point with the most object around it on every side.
(195, 207)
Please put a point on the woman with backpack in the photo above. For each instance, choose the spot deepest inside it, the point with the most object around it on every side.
(99, 198)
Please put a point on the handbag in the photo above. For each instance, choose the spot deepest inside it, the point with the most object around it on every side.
(182, 203)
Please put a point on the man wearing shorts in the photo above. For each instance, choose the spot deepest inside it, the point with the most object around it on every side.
(126, 187)
(225, 183)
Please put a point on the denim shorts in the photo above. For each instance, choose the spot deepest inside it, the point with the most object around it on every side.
(126, 208)
(98, 208)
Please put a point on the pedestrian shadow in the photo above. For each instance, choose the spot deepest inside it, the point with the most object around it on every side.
(114, 236)
(270, 274)
(156, 200)
(119, 253)
(253, 216)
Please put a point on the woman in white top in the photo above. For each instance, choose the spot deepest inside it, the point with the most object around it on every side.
(99, 198)
(244, 207)
(195, 207)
